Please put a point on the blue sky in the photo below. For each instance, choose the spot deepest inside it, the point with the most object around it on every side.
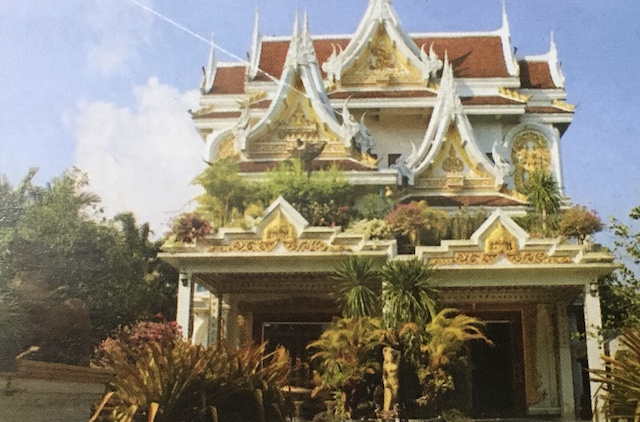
(105, 85)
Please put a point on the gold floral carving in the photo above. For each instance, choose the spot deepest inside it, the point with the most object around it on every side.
(481, 258)
(453, 163)
(246, 246)
(227, 148)
(501, 241)
(529, 152)
(290, 246)
(279, 230)
(381, 63)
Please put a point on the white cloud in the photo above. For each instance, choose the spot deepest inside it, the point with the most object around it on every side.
(120, 29)
(141, 159)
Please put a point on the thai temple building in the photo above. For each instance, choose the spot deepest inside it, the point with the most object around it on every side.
(456, 119)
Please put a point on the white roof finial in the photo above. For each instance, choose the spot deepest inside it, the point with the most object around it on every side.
(507, 49)
(209, 72)
(308, 52)
(294, 45)
(256, 48)
(554, 63)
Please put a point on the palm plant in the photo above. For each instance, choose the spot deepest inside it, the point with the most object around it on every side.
(408, 292)
(543, 194)
(620, 380)
(358, 287)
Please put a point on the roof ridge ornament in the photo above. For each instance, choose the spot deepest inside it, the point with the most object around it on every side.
(256, 48)
(293, 54)
(432, 62)
(554, 63)
(507, 48)
(209, 72)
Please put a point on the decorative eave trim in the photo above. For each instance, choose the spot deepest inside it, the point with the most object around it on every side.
(508, 52)
(209, 72)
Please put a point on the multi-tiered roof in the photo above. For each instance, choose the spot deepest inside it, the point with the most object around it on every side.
(454, 117)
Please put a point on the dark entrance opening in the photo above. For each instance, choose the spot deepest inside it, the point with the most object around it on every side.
(498, 370)
(294, 336)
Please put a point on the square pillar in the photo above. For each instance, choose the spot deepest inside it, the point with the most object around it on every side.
(595, 343)
(565, 364)
(184, 311)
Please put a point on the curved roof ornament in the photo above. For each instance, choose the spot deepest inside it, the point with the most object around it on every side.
(507, 48)
(256, 49)
(555, 64)
(209, 72)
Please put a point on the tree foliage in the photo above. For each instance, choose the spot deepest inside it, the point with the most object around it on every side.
(226, 193)
(544, 194)
(422, 224)
(75, 274)
(359, 287)
(579, 222)
(620, 291)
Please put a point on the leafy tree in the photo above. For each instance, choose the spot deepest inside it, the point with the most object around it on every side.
(621, 380)
(620, 291)
(372, 206)
(464, 223)
(188, 227)
(225, 191)
(419, 222)
(579, 222)
(544, 195)
(359, 287)
(324, 198)
(408, 293)
(76, 274)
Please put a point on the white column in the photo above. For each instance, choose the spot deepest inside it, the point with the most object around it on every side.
(567, 399)
(185, 303)
(593, 334)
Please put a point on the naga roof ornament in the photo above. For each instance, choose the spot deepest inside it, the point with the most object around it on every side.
(256, 49)
(209, 72)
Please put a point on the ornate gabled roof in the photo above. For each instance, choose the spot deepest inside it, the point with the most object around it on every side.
(449, 151)
(381, 50)
(299, 114)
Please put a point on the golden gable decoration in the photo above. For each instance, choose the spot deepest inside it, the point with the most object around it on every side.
(381, 63)
(501, 241)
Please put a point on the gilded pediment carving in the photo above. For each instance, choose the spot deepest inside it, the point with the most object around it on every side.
(501, 241)
(381, 63)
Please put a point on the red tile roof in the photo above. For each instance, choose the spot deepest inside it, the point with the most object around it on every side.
(547, 110)
(342, 164)
(340, 95)
(471, 201)
(218, 115)
(535, 75)
(489, 100)
(471, 56)
(229, 80)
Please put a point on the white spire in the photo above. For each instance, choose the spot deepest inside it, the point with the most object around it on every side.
(507, 49)
(554, 63)
(294, 45)
(308, 53)
(256, 48)
(209, 72)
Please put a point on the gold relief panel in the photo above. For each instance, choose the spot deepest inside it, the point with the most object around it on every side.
(501, 241)
(279, 230)
(289, 245)
(453, 163)
(529, 152)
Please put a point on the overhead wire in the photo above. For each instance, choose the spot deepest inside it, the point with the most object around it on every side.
(221, 49)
